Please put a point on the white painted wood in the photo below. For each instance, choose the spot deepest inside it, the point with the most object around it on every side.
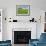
(24, 27)
(1, 25)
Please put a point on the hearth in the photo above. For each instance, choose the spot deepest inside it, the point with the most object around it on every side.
(22, 37)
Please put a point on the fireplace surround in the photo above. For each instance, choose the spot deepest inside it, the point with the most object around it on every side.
(21, 35)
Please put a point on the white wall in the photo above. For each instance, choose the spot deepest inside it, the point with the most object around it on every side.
(4, 24)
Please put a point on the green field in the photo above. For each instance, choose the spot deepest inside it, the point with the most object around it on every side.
(22, 11)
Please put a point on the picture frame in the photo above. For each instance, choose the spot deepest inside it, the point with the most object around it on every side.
(22, 10)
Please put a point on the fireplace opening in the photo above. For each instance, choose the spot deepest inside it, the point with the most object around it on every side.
(22, 37)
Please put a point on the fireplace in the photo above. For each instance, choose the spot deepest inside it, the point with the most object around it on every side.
(22, 37)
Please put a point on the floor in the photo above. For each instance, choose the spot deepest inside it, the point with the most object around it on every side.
(20, 45)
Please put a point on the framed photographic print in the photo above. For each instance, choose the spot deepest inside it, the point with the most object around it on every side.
(22, 10)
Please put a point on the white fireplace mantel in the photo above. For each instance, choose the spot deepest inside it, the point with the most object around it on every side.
(25, 27)
(14, 26)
